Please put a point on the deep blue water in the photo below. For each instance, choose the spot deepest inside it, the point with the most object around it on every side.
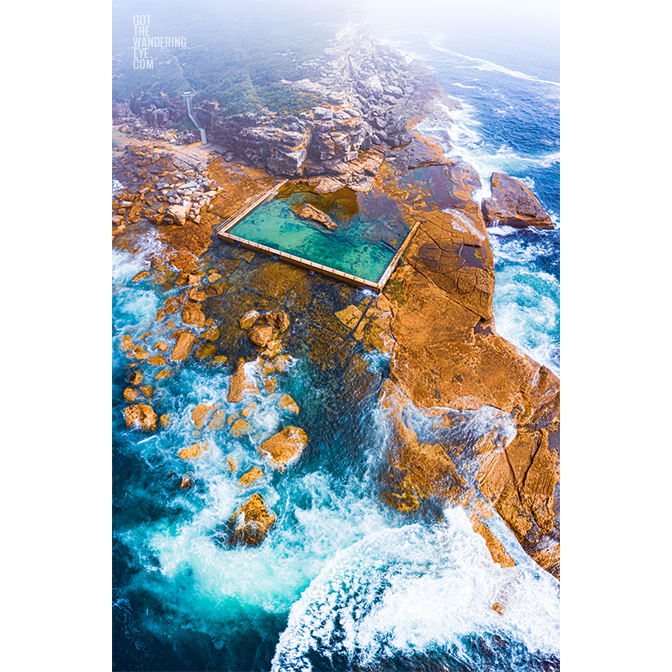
(343, 582)
(510, 122)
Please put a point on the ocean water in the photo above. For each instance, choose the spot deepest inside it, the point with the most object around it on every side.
(509, 122)
(342, 582)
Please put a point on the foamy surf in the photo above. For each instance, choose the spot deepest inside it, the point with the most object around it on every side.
(401, 594)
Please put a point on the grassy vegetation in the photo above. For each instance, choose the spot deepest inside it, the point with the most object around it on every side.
(235, 60)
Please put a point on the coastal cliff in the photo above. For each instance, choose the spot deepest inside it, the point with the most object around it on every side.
(449, 370)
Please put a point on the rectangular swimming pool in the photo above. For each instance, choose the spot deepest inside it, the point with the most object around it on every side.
(370, 230)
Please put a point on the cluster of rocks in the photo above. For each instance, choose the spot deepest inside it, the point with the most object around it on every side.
(366, 89)
(152, 116)
(155, 109)
(135, 128)
(251, 521)
(187, 200)
(161, 194)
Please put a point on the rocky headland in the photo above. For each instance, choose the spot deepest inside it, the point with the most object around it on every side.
(450, 373)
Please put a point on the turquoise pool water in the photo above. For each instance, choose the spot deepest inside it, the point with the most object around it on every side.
(370, 230)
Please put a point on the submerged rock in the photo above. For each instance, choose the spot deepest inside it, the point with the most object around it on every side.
(307, 211)
(240, 428)
(196, 450)
(513, 204)
(278, 319)
(250, 522)
(193, 315)
(130, 394)
(284, 447)
(288, 404)
(248, 319)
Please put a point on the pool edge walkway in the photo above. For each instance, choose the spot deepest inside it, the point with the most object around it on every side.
(248, 207)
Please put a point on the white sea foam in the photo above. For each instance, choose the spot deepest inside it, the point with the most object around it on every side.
(506, 247)
(464, 224)
(526, 304)
(414, 589)
(138, 307)
(125, 265)
(489, 66)
(268, 577)
(464, 133)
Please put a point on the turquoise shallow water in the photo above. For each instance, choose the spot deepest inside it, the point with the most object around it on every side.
(359, 245)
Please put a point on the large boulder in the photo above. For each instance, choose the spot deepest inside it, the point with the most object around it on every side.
(284, 447)
(513, 204)
(250, 522)
(240, 384)
(183, 346)
(261, 334)
(140, 416)
(177, 214)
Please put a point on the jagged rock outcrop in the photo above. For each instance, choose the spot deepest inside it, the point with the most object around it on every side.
(447, 355)
(370, 97)
(157, 109)
(513, 204)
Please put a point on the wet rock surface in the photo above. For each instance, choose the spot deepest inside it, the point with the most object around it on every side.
(250, 523)
(513, 204)
(284, 447)
(140, 416)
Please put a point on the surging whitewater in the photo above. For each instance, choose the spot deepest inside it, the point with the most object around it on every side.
(417, 590)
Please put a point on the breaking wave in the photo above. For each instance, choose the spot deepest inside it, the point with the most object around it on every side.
(402, 597)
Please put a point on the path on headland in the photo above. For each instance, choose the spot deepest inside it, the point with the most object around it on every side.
(190, 112)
